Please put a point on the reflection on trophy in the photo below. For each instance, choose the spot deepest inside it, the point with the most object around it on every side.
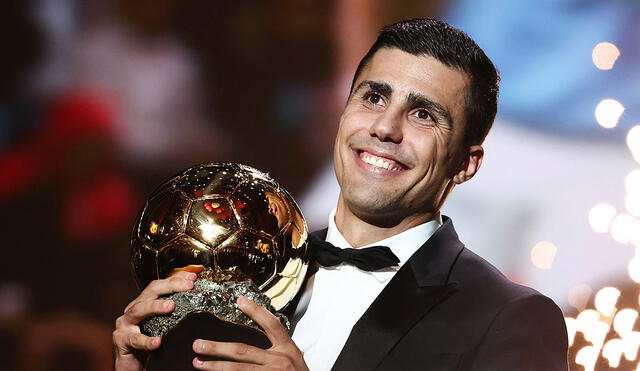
(246, 231)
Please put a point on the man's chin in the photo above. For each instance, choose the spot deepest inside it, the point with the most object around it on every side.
(378, 211)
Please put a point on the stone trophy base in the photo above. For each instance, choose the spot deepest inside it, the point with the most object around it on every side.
(207, 311)
(176, 352)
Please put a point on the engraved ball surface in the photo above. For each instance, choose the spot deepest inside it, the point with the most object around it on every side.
(229, 217)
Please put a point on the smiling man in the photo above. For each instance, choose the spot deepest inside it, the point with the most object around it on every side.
(421, 104)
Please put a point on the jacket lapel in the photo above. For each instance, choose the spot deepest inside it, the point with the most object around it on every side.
(419, 285)
(290, 309)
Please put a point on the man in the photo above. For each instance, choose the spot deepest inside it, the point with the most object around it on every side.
(422, 102)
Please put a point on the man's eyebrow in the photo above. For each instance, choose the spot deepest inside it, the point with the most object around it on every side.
(380, 87)
(413, 99)
(419, 100)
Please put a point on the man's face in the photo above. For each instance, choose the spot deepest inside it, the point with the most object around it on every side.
(399, 147)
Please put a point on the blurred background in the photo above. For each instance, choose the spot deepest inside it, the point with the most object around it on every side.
(100, 101)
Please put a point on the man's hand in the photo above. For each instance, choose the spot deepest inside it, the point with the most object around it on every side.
(283, 354)
(130, 346)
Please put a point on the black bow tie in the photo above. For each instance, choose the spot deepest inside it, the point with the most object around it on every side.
(365, 258)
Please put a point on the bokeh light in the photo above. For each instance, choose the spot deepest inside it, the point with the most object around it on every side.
(632, 181)
(585, 318)
(623, 227)
(596, 333)
(632, 203)
(604, 55)
(633, 142)
(572, 328)
(624, 321)
(606, 299)
(631, 342)
(579, 296)
(543, 254)
(608, 112)
(612, 351)
(587, 357)
(600, 217)
(634, 269)
(634, 239)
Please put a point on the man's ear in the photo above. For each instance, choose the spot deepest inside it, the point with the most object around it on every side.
(470, 165)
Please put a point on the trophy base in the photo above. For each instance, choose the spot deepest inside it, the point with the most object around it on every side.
(176, 351)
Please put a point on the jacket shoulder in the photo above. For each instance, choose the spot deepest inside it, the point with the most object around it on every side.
(523, 329)
(473, 273)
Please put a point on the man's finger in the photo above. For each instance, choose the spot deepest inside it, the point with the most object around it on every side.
(142, 342)
(181, 281)
(193, 268)
(126, 340)
(201, 364)
(146, 308)
(239, 352)
(265, 319)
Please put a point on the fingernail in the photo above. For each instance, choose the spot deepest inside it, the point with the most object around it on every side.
(198, 361)
(198, 346)
(168, 304)
(242, 301)
(155, 342)
(192, 276)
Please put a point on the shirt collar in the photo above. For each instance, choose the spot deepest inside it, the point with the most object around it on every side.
(403, 244)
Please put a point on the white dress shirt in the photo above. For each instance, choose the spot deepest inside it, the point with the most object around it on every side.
(336, 297)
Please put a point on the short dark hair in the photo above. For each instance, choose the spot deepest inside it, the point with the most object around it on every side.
(453, 48)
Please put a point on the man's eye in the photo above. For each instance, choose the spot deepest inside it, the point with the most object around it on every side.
(374, 98)
(423, 115)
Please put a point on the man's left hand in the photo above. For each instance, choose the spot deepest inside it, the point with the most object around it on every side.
(283, 354)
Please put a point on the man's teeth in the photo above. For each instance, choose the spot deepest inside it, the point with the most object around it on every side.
(378, 161)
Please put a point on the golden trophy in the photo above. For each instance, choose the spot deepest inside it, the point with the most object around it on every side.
(248, 233)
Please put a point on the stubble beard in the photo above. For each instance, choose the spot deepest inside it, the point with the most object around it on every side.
(381, 209)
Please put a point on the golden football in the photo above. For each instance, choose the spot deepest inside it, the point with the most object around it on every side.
(228, 217)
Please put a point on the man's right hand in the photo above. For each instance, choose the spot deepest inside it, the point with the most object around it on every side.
(131, 347)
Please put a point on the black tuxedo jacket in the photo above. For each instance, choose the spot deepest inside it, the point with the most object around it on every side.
(449, 309)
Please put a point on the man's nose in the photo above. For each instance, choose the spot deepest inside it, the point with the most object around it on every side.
(387, 127)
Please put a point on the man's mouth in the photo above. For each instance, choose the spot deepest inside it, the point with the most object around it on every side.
(380, 162)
